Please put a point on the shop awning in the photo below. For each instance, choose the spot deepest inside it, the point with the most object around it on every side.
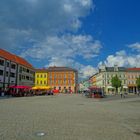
(110, 87)
(41, 87)
(20, 87)
(125, 86)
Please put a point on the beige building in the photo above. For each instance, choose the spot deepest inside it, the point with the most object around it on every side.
(104, 76)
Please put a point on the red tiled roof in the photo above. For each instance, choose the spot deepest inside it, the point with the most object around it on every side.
(55, 68)
(41, 70)
(133, 69)
(14, 58)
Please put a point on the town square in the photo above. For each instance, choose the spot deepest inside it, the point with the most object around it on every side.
(69, 117)
(69, 70)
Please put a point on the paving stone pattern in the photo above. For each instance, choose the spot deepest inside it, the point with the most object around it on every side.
(69, 117)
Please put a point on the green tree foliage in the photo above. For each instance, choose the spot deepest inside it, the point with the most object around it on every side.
(116, 82)
(138, 82)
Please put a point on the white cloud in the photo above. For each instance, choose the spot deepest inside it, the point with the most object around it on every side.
(135, 46)
(122, 58)
(40, 18)
(87, 71)
(66, 46)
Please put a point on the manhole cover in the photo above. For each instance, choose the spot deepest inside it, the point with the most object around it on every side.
(40, 134)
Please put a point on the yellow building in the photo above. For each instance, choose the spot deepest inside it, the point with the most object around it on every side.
(41, 78)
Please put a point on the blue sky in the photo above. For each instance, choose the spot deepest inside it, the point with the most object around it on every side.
(82, 34)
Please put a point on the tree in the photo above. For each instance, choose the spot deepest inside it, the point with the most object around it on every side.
(116, 82)
(138, 83)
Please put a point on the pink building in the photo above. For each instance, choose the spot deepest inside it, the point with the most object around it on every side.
(132, 75)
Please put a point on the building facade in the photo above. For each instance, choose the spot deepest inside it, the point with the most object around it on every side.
(104, 76)
(132, 75)
(15, 70)
(63, 79)
(41, 77)
(128, 77)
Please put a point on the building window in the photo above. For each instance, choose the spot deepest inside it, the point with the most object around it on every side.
(59, 88)
(28, 71)
(41, 82)
(12, 74)
(7, 64)
(7, 73)
(20, 77)
(13, 66)
(41, 76)
(50, 75)
(27, 78)
(44, 82)
(44, 75)
(20, 69)
(108, 82)
(1, 62)
(1, 72)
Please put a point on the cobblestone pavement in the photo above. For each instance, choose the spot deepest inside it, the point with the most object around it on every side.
(69, 117)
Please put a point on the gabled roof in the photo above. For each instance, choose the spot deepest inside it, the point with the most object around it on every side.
(61, 69)
(111, 69)
(14, 58)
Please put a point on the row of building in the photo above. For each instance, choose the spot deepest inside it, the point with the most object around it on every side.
(128, 77)
(15, 70)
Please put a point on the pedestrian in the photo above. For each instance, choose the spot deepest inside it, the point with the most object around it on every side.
(2, 93)
(138, 92)
(121, 94)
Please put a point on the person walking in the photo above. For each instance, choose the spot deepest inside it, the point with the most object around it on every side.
(138, 92)
(2, 93)
(121, 94)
